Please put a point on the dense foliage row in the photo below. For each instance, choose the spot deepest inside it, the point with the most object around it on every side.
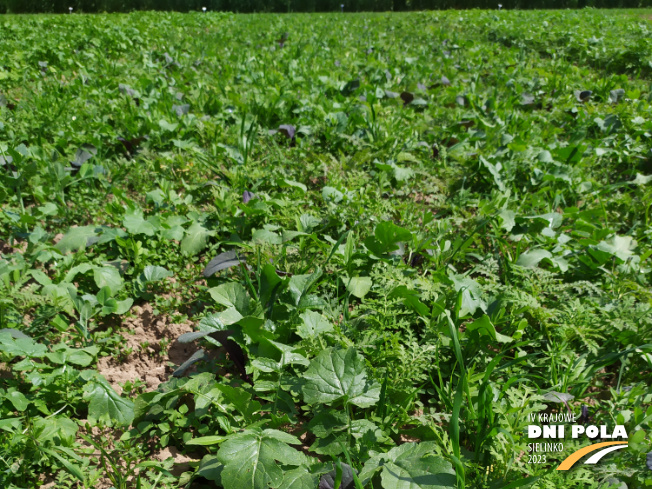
(285, 6)
(391, 238)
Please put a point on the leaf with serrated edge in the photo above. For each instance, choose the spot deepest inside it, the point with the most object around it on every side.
(339, 376)
(250, 458)
(195, 240)
(105, 404)
(231, 294)
(313, 325)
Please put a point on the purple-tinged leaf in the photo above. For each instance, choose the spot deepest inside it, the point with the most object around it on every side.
(461, 100)
(421, 87)
(583, 96)
(247, 196)
(617, 95)
(407, 97)
(131, 145)
(287, 130)
(584, 417)
(281, 41)
(362, 98)
(327, 481)
(350, 87)
(445, 81)
(83, 154)
(181, 110)
(196, 357)
(194, 335)
(126, 89)
(221, 262)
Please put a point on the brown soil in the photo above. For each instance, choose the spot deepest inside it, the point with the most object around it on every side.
(5, 371)
(181, 461)
(7, 249)
(143, 334)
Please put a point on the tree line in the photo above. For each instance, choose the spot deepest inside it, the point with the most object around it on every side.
(62, 6)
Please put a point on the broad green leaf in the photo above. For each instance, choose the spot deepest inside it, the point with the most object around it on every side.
(105, 405)
(313, 325)
(619, 246)
(63, 354)
(241, 400)
(559, 397)
(484, 326)
(402, 174)
(507, 218)
(300, 286)
(72, 273)
(292, 183)
(532, 258)
(135, 223)
(290, 235)
(359, 286)
(336, 376)
(494, 170)
(18, 399)
(469, 293)
(211, 468)
(327, 421)
(14, 333)
(11, 424)
(265, 236)
(21, 347)
(40, 277)
(168, 126)
(121, 307)
(308, 222)
(195, 240)
(154, 273)
(46, 429)
(410, 466)
(289, 355)
(386, 237)
(108, 277)
(76, 238)
(251, 458)
(231, 294)
(642, 179)
(299, 478)
(63, 294)
(331, 194)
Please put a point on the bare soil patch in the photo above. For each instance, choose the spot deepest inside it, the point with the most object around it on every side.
(7, 249)
(181, 461)
(144, 335)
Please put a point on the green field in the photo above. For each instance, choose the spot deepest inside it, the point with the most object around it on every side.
(301, 251)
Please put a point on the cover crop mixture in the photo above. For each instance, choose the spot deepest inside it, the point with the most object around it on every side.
(305, 251)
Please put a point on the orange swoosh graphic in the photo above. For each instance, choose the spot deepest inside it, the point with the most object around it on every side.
(574, 457)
